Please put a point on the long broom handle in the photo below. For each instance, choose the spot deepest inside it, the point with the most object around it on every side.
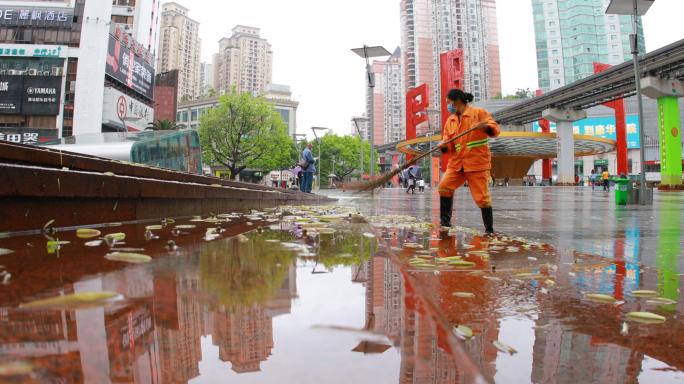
(439, 147)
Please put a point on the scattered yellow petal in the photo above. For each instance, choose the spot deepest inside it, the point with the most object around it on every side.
(464, 294)
(154, 227)
(128, 257)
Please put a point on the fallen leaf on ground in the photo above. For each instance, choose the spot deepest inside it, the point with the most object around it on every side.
(464, 294)
(644, 293)
(15, 368)
(242, 238)
(464, 331)
(504, 348)
(599, 297)
(154, 227)
(76, 300)
(5, 251)
(128, 257)
(646, 317)
(115, 236)
(660, 301)
(87, 233)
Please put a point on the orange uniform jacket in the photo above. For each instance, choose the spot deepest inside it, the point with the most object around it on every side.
(470, 152)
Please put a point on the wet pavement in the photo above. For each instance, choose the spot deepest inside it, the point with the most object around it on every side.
(317, 295)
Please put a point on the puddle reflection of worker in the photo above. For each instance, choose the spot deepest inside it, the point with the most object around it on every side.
(470, 159)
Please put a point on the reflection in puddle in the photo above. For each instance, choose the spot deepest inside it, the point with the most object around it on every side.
(309, 295)
(295, 303)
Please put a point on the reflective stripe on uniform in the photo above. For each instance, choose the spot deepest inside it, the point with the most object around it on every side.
(478, 143)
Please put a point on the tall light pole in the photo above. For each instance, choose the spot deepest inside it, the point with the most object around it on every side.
(356, 123)
(367, 52)
(635, 8)
(314, 129)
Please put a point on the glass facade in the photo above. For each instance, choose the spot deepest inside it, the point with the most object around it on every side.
(571, 35)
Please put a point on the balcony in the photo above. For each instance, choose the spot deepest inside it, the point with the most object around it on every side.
(122, 10)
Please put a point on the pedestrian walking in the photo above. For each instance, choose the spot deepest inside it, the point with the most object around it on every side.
(308, 168)
(470, 159)
(605, 176)
(421, 185)
(592, 179)
(297, 171)
(411, 175)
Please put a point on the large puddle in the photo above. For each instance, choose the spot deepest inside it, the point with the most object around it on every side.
(285, 302)
(316, 295)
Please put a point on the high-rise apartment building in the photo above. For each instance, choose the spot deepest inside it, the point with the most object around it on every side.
(179, 48)
(360, 124)
(243, 61)
(206, 78)
(389, 100)
(430, 27)
(573, 34)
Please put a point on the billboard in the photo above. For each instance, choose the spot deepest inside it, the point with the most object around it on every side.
(41, 95)
(36, 17)
(10, 94)
(603, 127)
(27, 135)
(129, 69)
(120, 108)
(30, 95)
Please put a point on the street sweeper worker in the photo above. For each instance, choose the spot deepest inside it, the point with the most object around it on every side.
(470, 159)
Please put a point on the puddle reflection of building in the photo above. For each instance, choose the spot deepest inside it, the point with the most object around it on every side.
(154, 338)
(405, 321)
(244, 334)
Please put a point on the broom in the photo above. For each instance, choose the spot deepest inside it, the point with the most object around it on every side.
(384, 179)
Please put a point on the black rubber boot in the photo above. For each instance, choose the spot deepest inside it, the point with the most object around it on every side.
(445, 206)
(488, 220)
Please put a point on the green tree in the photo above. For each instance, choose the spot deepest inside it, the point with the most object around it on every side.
(245, 131)
(162, 125)
(345, 152)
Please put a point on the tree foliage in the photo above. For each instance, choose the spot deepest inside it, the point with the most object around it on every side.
(162, 125)
(345, 151)
(245, 131)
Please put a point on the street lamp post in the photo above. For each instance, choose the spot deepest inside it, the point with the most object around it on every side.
(356, 123)
(314, 129)
(366, 53)
(635, 8)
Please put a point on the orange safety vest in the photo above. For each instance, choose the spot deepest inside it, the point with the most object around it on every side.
(470, 152)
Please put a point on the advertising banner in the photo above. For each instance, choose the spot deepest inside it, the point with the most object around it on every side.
(120, 108)
(30, 95)
(129, 69)
(11, 89)
(603, 127)
(41, 95)
(27, 135)
(15, 16)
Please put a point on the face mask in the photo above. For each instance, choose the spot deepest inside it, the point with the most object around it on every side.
(451, 109)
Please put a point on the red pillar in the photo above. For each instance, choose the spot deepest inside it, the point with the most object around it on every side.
(620, 126)
(545, 125)
(451, 74)
(417, 102)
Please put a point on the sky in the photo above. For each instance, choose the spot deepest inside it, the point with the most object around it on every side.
(311, 41)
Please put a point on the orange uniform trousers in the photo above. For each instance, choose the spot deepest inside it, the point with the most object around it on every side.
(478, 182)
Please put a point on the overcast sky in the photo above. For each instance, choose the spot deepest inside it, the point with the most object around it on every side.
(312, 39)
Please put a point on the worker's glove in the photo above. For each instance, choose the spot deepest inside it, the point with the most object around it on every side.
(442, 147)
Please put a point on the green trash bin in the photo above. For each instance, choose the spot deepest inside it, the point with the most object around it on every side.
(621, 185)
